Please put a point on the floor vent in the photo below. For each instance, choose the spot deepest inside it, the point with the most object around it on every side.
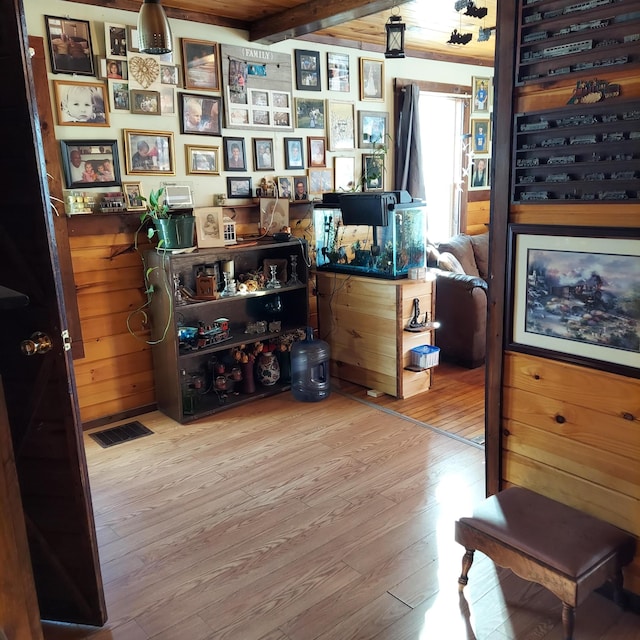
(123, 433)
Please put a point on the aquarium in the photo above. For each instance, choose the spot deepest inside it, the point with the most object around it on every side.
(376, 250)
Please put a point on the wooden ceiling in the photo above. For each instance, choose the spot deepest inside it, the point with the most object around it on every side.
(351, 23)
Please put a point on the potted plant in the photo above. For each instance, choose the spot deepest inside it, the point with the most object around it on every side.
(173, 231)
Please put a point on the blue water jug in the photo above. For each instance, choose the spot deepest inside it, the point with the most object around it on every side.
(310, 369)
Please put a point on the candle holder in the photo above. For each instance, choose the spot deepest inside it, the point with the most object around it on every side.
(294, 271)
(273, 282)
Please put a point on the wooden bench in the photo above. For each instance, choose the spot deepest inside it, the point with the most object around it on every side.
(565, 550)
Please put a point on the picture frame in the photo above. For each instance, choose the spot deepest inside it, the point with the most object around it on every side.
(70, 47)
(263, 154)
(480, 135)
(317, 151)
(132, 192)
(310, 113)
(320, 181)
(285, 187)
(308, 74)
(573, 292)
(170, 74)
(373, 129)
(145, 102)
(149, 153)
(481, 87)
(338, 72)
(372, 172)
(235, 157)
(114, 69)
(300, 188)
(239, 187)
(81, 104)
(119, 95)
(200, 64)
(274, 215)
(167, 100)
(200, 114)
(371, 80)
(480, 174)
(81, 161)
(202, 160)
(344, 173)
(115, 39)
(293, 153)
(341, 125)
(209, 223)
(132, 39)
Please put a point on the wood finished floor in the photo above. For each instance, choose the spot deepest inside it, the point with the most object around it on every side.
(283, 520)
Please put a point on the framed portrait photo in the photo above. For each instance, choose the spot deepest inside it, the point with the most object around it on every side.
(308, 76)
(239, 187)
(480, 174)
(293, 154)
(209, 227)
(480, 136)
(372, 172)
(285, 187)
(371, 80)
(480, 88)
(200, 114)
(115, 38)
(235, 158)
(344, 173)
(133, 196)
(373, 129)
(263, 154)
(113, 69)
(300, 188)
(341, 129)
(309, 113)
(202, 160)
(90, 163)
(70, 45)
(149, 152)
(200, 64)
(317, 151)
(82, 104)
(338, 72)
(145, 102)
(575, 292)
(170, 74)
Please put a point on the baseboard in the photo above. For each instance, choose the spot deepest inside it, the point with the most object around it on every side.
(123, 415)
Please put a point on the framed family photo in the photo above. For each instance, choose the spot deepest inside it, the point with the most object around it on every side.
(149, 152)
(202, 160)
(90, 163)
(239, 187)
(200, 64)
(133, 196)
(235, 158)
(317, 151)
(119, 95)
(371, 80)
(575, 295)
(70, 45)
(274, 215)
(209, 227)
(338, 72)
(308, 76)
(373, 128)
(320, 181)
(309, 113)
(82, 104)
(200, 114)
(145, 102)
(293, 155)
(115, 38)
(263, 154)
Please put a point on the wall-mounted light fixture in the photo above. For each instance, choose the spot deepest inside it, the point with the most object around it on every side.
(395, 37)
(154, 32)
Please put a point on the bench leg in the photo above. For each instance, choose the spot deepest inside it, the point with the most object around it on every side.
(618, 594)
(467, 561)
(568, 617)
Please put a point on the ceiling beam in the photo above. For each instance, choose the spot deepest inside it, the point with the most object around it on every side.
(312, 16)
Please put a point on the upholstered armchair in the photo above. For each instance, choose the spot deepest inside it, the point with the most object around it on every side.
(461, 299)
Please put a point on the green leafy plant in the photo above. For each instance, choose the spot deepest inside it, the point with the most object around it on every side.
(157, 209)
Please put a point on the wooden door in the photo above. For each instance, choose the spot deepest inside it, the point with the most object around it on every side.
(40, 396)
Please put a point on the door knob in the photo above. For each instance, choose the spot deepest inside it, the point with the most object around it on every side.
(37, 344)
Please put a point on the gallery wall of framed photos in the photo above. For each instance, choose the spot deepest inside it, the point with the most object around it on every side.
(295, 107)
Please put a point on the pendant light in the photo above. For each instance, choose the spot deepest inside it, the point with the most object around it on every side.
(154, 32)
(395, 36)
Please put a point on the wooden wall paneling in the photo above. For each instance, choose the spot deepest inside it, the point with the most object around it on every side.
(478, 214)
(586, 215)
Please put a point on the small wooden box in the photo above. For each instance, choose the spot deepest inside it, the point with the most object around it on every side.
(206, 285)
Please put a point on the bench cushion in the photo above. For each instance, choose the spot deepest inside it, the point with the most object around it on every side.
(553, 533)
